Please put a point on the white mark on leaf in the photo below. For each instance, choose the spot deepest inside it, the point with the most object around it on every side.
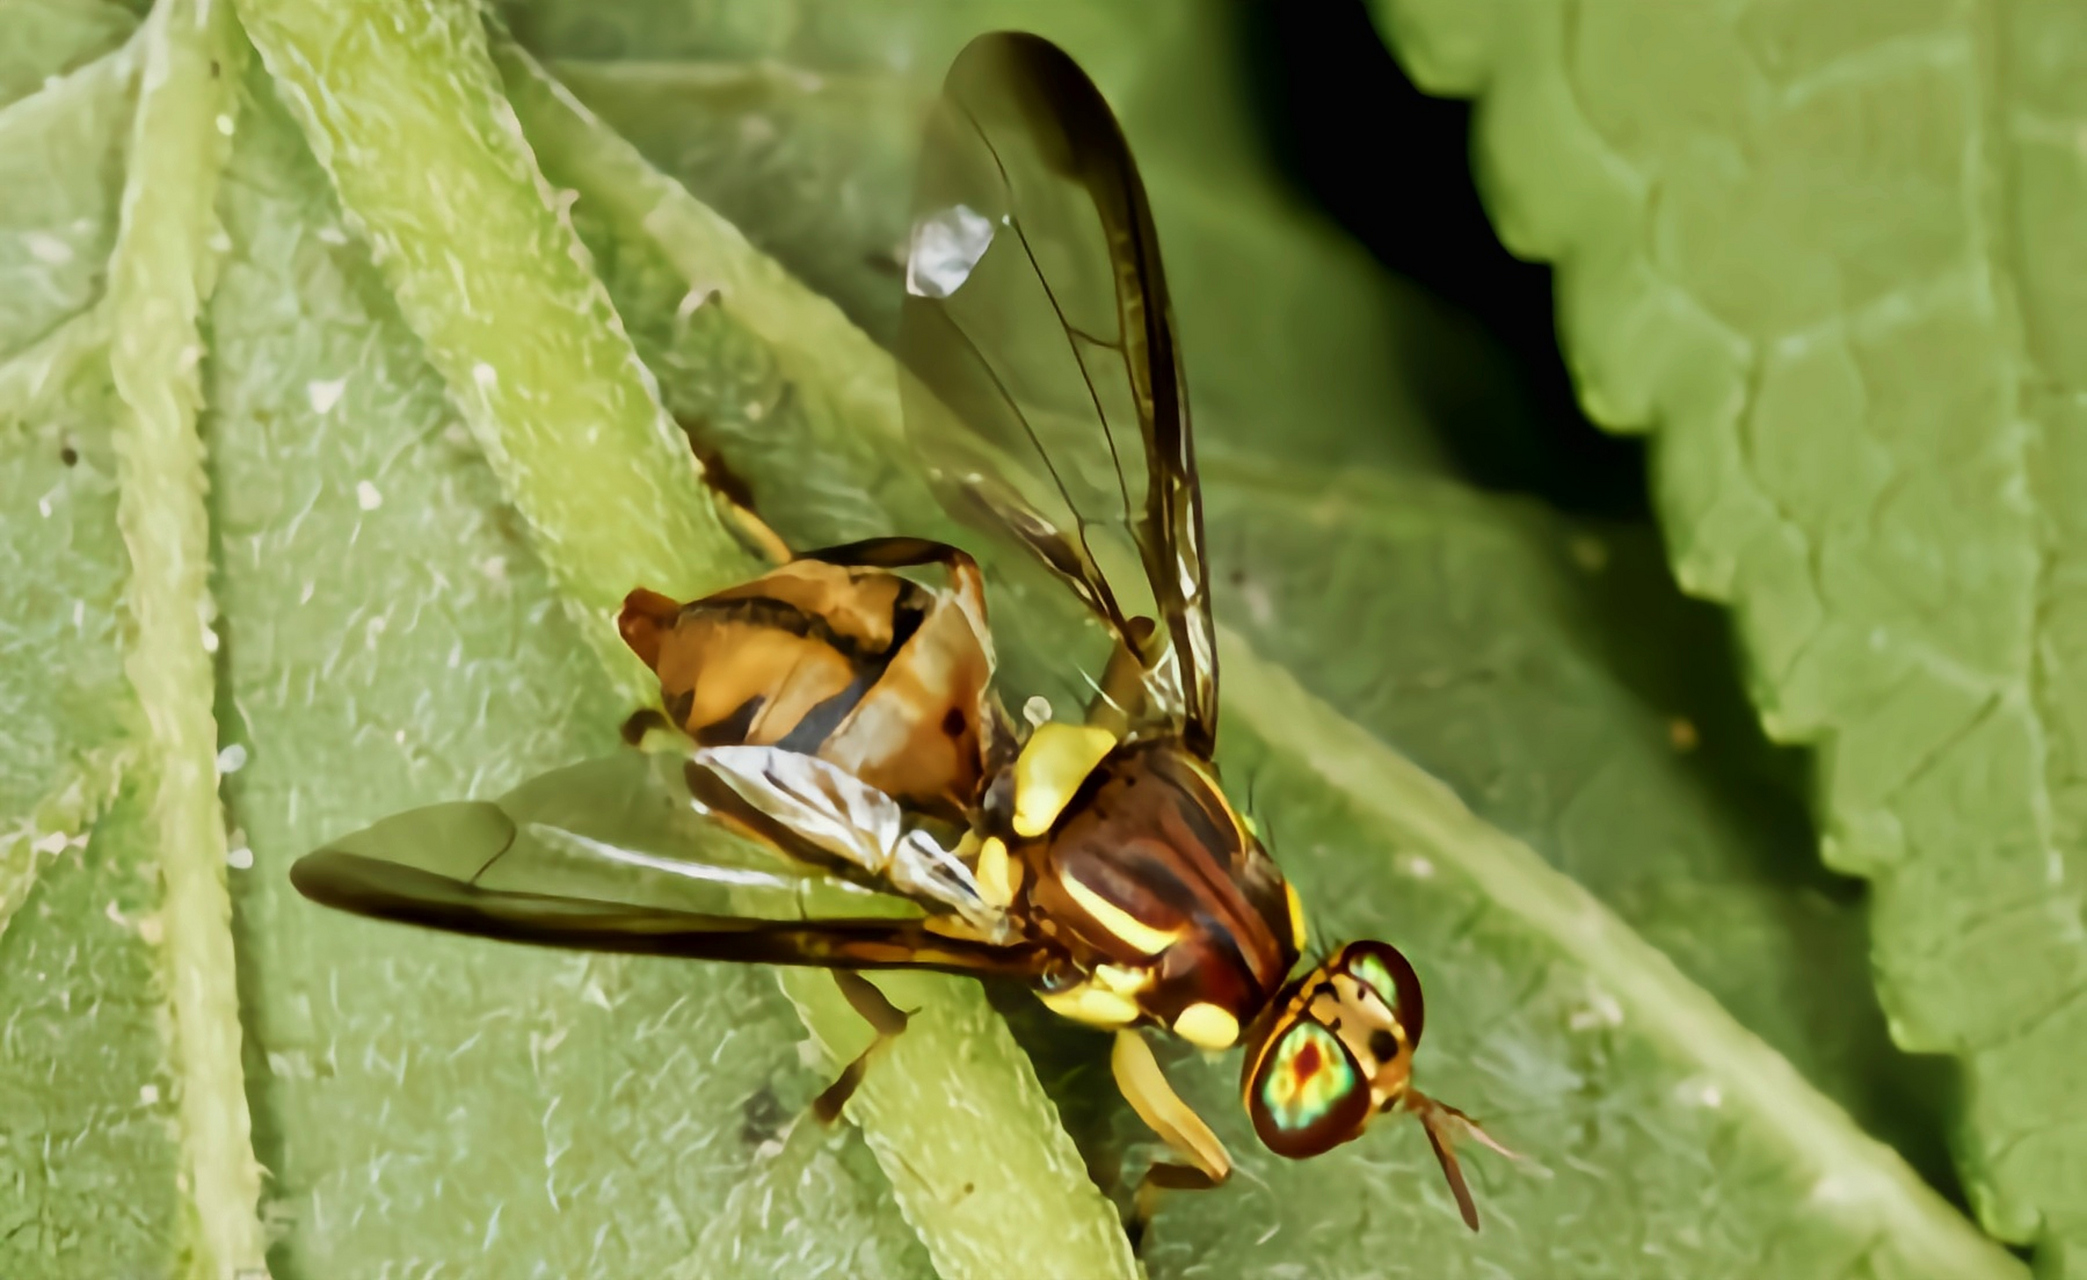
(48, 248)
(325, 395)
(697, 297)
(232, 759)
(1698, 1092)
(367, 496)
(1602, 1011)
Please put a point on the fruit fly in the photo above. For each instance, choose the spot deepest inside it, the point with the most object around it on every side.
(839, 784)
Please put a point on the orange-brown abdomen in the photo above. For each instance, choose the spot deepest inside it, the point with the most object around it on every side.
(856, 665)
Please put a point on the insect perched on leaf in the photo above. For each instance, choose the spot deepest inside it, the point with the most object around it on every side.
(838, 783)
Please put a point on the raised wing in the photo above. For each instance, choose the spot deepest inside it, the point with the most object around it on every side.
(1047, 394)
(621, 855)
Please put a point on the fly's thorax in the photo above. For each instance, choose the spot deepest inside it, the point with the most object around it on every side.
(860, 667)
(1155, 888)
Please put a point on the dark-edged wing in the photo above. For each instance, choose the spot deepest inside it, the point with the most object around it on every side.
(1046, 392)
(619, 855)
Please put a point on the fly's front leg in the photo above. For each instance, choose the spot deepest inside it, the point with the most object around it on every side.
(1204, 1163)
(884, 1017)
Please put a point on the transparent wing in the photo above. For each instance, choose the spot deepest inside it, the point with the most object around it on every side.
(621, 854)
(1047, 393)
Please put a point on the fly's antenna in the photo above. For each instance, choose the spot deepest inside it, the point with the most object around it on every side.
(1317, 950)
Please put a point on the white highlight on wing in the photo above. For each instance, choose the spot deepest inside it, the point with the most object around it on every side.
(943, 250)
(845, 816)
(709, 873)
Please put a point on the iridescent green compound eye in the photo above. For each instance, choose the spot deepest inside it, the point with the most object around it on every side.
(1309, 1094)
(1370, 969)
(1380, 967)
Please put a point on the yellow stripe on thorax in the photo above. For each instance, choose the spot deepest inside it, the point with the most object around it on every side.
(1134, 933)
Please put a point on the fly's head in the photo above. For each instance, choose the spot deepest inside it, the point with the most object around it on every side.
(1334, 1050)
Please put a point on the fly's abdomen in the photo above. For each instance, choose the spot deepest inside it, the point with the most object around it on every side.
(858, 666)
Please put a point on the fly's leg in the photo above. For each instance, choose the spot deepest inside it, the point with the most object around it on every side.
(1204, 1163)
(892, 553)
(1120, 698)
(884, 1017)
(965, 581)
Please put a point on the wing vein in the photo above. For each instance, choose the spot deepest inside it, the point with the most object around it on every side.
(1071, 335)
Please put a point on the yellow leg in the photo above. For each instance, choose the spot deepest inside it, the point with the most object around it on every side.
(1145, 1087)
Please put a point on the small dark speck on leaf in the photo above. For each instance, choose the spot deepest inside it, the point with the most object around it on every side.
(763, 1116)
(215, 70)
(69, 456)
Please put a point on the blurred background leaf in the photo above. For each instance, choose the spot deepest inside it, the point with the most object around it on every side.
(1824, 256)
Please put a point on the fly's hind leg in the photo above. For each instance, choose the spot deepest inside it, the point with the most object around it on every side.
(965, 580)
(889, 553)
(884, 1017)
(1203, 1162)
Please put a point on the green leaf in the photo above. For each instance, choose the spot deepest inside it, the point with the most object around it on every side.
(396, 622)
(1822, 252)
(47, 38)
(1548, 670)
(1546, 685)
(86, 1095)
(556, 397)
(61, 683)
(161, 272)
(393, 638)
(1624, 1036)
